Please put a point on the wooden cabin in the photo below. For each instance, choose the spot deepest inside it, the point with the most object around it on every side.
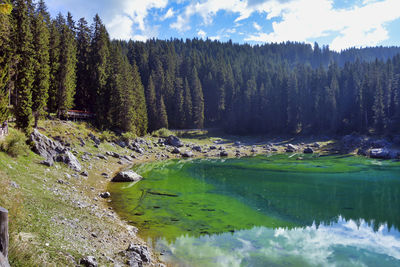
(78, 115)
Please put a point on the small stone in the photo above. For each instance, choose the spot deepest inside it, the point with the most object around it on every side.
(308, 150)
(85, 173)
(105, 195)
(88, 261)
(223, 154)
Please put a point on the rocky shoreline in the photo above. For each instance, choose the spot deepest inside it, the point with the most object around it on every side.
(118, 156)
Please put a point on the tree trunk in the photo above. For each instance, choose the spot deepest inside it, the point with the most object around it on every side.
(3, 236)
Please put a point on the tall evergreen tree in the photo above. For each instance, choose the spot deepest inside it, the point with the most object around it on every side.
(187, 105)
(151, 104)
(5, 54)
(83, 65)
(54, 62)
(162, 121)
(41, 66)
(67, 71)
(22, 39)
(198, 100)
(99, 71)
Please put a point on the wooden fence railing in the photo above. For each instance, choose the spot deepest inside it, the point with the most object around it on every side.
(4, 237)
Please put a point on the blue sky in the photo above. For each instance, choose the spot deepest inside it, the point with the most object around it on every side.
(337, 23)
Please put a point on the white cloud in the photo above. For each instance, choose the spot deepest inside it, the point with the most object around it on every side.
(120, 27)
(306, 19)
(312, 246)
(201, 34)
(208, 10)
(170, 13)
(130, 15)
(215, 38)
(256, 26)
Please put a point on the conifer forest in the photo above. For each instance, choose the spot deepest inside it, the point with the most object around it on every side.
(51, 65)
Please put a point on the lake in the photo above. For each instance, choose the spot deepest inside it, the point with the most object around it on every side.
(278, 210)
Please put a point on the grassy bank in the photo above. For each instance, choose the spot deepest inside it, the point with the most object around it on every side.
(56, 215)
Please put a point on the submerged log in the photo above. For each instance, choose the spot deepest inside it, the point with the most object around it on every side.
(3, 237)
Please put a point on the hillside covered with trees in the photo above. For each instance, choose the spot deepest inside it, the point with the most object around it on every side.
(51, 65)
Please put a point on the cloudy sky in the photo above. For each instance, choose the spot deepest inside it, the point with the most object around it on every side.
(337, 23)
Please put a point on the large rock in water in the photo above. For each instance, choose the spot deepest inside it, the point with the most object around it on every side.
(174, 141)
(126, 176)
(53, 151)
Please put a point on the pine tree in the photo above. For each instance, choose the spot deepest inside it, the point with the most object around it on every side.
(198, 100)
(187, 106)
(5, 53)
(378, 107)
(54, 60)
(67, 71)
(151, 104)
(99, 71)
(162, 121)
(22, 39)
(139, 104)
(41, 65)
(83, 65)
(293, 104)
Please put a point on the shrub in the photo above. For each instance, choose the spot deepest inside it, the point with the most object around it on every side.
(128, 136)
(15, 144)
(163, 132)
(107, 136)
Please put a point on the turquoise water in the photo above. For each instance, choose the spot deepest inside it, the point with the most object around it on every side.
(268, 211)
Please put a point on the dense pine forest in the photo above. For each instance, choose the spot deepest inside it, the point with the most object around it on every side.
(51, 65)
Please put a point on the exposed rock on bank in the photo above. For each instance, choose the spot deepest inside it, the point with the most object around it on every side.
(53, 151)
(126, 177)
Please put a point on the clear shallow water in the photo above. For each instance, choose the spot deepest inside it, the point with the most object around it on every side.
(268, 211)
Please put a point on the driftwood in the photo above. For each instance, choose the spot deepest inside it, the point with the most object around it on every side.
(3, 237)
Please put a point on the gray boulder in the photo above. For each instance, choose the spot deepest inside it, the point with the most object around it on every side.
(176, 151)
(174, 141)
(197, 148)
(139, 253)
(95, 139)
(69, 159)
(223, 154)
(380, 153)
(187, 154)
(126, 176)
(105, 195)
(308, 150)
(291, 147)
(88, 261)
(44, 146)
(53, 151)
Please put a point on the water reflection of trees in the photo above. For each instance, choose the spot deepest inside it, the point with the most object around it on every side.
(307, 198)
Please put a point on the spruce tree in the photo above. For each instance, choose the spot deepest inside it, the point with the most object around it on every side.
(54, 60)
(83, 65)
(5, 54)
(99, 71)
(162, 121)
(24, 76)
(187, 106)
(67, 71)
(151, 104)
(41, 66)
(198, 100)
(139, 104)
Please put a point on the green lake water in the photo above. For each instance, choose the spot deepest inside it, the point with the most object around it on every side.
(267, 211)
